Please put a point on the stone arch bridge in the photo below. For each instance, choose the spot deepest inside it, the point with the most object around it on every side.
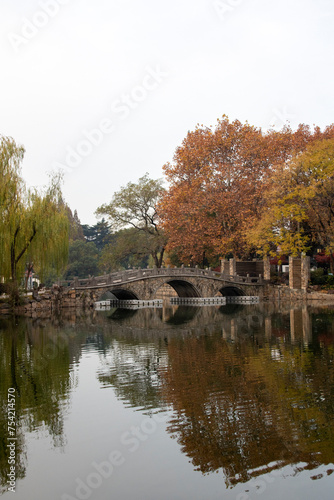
(144, 284)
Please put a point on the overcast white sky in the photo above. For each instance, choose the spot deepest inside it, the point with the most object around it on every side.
(107, 89)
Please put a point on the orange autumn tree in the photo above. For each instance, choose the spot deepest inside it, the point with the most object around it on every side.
(218, 181)
(300, 205)
(216, 186)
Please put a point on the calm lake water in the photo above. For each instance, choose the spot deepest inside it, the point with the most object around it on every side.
(232, 402)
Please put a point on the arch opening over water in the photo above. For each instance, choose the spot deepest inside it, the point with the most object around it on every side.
(118, 294)
(184, 288)
(231, 291)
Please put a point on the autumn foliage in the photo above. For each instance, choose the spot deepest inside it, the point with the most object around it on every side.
(300, 204)
(219, 182)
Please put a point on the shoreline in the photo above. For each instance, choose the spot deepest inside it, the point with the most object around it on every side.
(55, 300)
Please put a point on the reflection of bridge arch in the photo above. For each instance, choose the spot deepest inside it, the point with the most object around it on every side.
(182, 315)
(231, 291)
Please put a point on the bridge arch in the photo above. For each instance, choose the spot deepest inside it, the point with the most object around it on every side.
(231, 291)
(149, 284)
(118, 294)
(184, 288)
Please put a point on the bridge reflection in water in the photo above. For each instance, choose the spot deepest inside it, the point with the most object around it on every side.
(260, 401)
(249, 388)
(189, 301)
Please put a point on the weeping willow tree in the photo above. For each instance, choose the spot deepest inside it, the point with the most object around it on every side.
(33, 224)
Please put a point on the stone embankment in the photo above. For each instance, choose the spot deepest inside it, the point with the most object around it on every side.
(51, 301)
(58, 298)
(284, 293)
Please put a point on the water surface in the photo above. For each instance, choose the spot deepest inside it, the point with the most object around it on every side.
(230, 402)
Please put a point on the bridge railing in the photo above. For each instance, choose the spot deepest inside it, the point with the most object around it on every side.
(126, 276)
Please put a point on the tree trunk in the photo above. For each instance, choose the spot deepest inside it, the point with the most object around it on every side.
(162, 251)
(12, 263)
(158, 259)
(14, 260)
(331, 263)
(30, 266)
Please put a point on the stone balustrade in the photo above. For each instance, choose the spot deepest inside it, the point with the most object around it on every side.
(127, 276)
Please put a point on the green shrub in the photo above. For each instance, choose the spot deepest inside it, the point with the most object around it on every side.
(330, 281)
(318, 277)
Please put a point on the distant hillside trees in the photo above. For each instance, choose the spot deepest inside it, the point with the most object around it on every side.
(99, 234)
(83, 260)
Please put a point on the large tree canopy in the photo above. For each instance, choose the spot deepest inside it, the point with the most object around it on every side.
(299, 204)
(135, 206)
(218, 180)
(33, 224)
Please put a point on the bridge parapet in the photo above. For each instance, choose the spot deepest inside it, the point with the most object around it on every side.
(128, 276)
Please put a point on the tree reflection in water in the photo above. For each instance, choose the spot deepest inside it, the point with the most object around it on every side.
(251, 389)
(35, 361)
(242, 402)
